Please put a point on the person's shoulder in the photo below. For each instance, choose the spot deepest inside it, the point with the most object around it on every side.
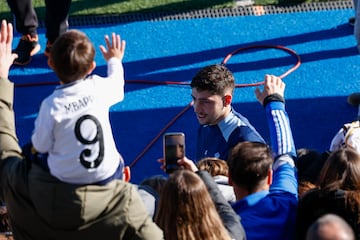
(236, 114)
(132, 209)
(228, 192)
(120, 187)
(48, 101)
(126, 194)
(234, 120)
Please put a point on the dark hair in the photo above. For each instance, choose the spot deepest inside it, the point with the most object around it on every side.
(214, 78)
(155, 182)
(72, 55)
(309, 163)
(249, 163)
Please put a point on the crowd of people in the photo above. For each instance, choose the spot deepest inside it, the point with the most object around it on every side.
(70, 182)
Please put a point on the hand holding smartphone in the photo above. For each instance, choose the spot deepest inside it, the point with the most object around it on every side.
(174, 149)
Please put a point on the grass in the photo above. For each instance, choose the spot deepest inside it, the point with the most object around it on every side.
(109, 7)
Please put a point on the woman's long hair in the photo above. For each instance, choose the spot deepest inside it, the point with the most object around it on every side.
(342, 171)
(186, 210)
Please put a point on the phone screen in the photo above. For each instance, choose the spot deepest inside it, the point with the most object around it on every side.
(174, 148)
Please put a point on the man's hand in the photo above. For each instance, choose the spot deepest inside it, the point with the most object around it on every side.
(6, 55)
(272, 85)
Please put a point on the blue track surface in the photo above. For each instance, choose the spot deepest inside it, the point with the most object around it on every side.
(175, 50)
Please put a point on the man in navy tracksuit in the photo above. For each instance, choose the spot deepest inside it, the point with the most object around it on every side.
(221, 126)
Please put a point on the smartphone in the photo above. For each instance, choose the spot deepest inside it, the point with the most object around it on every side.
(174, 148)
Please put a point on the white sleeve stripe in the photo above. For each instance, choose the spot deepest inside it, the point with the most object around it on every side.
(287, 136)
(277, 129)
(283, 132)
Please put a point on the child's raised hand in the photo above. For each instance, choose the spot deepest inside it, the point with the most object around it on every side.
(115, 48)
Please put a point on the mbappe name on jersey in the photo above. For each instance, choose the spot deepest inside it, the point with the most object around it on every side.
(79, 104)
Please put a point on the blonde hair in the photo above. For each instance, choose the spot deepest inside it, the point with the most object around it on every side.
(186, 210)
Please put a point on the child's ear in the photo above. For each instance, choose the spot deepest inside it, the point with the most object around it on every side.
(92, 67)
(126, 174)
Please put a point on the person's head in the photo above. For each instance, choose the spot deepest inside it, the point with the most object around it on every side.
(155, 182)
(214, 166)
(72, 56)
(212, 91)
(186, 210)
(309, 163)
(250, 168)
(348, 135)
(330, 227)
(341, 170)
